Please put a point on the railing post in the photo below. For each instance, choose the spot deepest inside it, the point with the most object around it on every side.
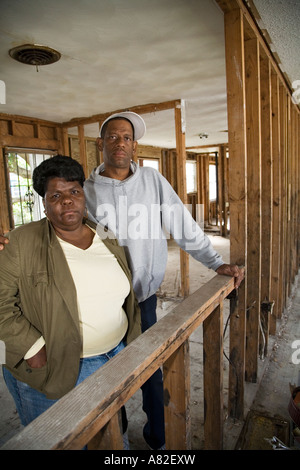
(213, 379)
(177, 399)
(109, 437)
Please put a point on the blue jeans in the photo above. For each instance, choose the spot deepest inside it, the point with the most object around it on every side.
(152, 390)
(30, 403)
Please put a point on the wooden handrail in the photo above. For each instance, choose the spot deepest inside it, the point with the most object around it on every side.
(81, 414)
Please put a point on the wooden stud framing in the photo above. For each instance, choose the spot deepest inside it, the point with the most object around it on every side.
(213, 379)
(181, 190)
(276, 201)
(177, 404)
(109, 437)
(82, 148)
(222, 191)
(269, 160)
(267, 198)
(283, 210)
(65, 142)
(234, 42)
(253, 205)
(141, 109)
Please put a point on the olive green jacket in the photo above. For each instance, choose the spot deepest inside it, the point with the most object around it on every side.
(38, 297)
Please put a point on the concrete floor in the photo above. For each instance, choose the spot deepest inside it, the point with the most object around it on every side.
(270, 394)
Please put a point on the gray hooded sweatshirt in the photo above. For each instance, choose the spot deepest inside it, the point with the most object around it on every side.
(143, 211)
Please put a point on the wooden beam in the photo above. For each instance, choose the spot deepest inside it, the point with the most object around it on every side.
(277, 201)
(110, 436)
(237, 193)
(29, 142)
(267, 198)
(82, 149)
(4, 213)
(181, 189)
(28, 120)
(252, 75)
(294, 136)
(176, 372)
(65, 142)
(141, 109)
(289, 201)
(222, 190)
(213, 379)
(266, 135)
(283, 98)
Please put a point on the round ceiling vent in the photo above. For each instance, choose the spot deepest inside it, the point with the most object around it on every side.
(33, 54)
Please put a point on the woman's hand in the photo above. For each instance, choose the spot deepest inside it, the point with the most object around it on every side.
(3, 241)
(38, 360)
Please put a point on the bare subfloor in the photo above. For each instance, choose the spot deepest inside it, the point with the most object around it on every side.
(269, 395)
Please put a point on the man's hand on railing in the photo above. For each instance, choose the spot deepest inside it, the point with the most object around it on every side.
(234, 271)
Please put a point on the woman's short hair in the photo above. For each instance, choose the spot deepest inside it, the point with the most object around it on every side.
(58, 166)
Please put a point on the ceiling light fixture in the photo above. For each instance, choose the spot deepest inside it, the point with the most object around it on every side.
(34, 54)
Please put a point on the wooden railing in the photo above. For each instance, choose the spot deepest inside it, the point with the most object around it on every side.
(89, 414)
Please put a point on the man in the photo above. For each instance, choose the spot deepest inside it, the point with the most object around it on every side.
(140, 207)
(137, 204)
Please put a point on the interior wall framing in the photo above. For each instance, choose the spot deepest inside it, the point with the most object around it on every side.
(263, 123)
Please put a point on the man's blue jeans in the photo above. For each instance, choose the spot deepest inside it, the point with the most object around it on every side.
(30, 403)
(153, 396)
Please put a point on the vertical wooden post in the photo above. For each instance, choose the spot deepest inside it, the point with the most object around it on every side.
(237, 194)
(297, 134)
(65, 141)
(253, 205)
(277, 201)
(82, 149)
(213, 379)
(283, 212)
(222, 213)
(181, 184)
(289, 202)
(109, 437)
(206, 187)
(267, 198)
(294, 268)
(177, 399)
(4, 212)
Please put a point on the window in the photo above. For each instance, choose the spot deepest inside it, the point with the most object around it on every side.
(148, 162)
(26, 204)
(191, 178)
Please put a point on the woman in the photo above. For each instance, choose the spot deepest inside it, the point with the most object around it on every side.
(66, 299)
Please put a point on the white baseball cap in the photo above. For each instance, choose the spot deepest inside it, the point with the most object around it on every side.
(136, 120)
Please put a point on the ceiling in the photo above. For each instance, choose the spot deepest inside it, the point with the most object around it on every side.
(116, 54)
